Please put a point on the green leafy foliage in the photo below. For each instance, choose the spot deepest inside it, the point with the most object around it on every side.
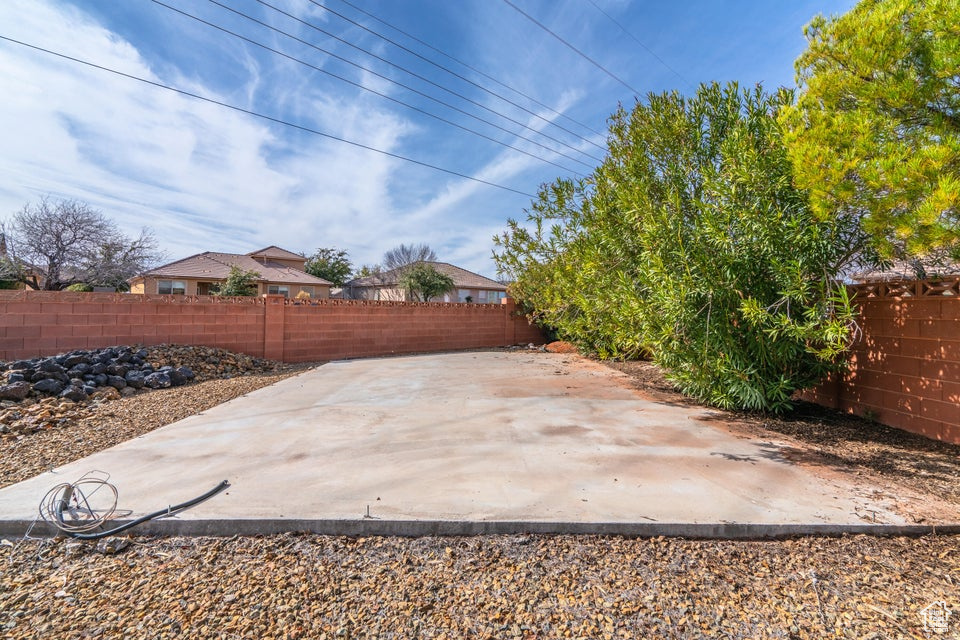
(80, 286)
(875, 133)
(571, 271)
(422, 282)
(239, 282)
(691, 243)
(330, 264)
(368, 270)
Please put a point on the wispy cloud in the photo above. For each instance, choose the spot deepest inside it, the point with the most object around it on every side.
(202, 176)
(208, 178)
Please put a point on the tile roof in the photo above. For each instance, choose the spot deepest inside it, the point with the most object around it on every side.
(216, 266)
(462, 278)
(907, 270)
(273, 251)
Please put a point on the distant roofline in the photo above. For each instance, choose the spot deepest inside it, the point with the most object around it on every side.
(170, 269)
(265, 252)
(386, 278)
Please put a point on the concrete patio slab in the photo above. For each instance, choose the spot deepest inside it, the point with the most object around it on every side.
(531, 441)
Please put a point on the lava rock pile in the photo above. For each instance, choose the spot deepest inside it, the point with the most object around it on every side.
(79, 374)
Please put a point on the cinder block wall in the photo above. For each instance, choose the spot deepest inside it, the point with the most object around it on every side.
(37, 323)
(905, 366)
(352, 330)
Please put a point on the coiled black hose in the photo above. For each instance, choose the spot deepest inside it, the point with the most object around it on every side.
(57, 502)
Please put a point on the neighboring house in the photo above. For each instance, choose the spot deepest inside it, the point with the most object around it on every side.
(16, 269)
(469, 286)
(904, 270)
(281, 272)
(37, 275)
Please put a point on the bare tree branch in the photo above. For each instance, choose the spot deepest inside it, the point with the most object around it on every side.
(54, 244)
(403, 255)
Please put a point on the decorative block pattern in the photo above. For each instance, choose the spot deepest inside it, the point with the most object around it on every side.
(38, 323)
(905, 367)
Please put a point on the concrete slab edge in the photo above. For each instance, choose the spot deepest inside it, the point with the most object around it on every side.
(421, 528)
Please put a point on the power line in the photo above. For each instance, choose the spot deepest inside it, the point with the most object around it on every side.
(268, 118)
(470, 67)
(416, 75)
(450, 71)
(637, 40)
(388, 79)
(373, 91)
(581, 53)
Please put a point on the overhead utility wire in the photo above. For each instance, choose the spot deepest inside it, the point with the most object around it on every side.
(412, 73)
(637, 40)
(268, 118)
(581, 53)
(399, 84)
(451, 72)
(472, 68)
(373, 91)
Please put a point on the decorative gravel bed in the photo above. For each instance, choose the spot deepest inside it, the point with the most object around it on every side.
(317, 587)
(43, 433)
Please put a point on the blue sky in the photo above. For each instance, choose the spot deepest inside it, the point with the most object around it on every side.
(205, 177)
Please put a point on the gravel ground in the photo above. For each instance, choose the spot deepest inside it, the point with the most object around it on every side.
(310, 586)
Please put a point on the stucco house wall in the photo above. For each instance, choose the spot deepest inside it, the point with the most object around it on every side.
(281, 272)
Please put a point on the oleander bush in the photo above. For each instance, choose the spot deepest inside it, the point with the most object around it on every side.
(691, 244)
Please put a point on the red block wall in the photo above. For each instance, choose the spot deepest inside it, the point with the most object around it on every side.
(905, 366)
(38, 323)
(356, 328)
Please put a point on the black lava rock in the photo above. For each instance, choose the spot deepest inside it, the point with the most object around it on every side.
(15, 391)
(77, 394)
(158, 380)
(51, 365)
(49, 386)
(135, 379)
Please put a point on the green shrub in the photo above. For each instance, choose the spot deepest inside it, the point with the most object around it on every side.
(239, 283)
(691, 243)
(80, 286)
(422, 281)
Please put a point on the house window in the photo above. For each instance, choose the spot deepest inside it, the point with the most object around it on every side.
(308, 290)
(176, 287)
(491, 297)
(463, 294)
(280, 289)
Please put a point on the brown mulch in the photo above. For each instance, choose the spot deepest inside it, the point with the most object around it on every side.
(309, 586)
(833, 438)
